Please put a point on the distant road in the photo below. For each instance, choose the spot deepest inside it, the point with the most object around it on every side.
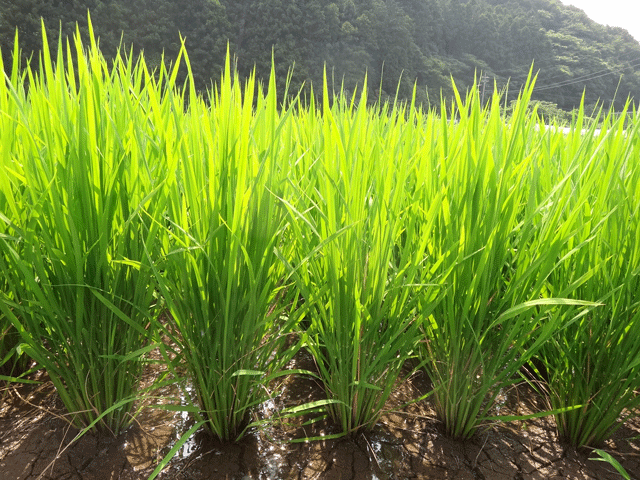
(567, 130)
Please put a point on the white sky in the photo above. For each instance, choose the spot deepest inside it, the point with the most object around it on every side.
(617, 13)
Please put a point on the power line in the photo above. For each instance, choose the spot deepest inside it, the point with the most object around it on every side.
(631, 63)
(588, 77)
(533, 60)
(619, 60)
(581, 79)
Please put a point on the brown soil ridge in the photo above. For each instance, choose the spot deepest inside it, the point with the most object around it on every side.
(35, 443)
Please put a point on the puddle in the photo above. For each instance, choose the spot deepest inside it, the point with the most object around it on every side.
(264, 453)
(500, 401)
(184, 422)
(157, 429)
(385, 451)
(258, 456)
(272, 456)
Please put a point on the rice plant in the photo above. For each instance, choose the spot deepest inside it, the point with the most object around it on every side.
(12, 362)
(221, 277)
(594, 361)
(492, 313)
(83, 168)
(357, 279)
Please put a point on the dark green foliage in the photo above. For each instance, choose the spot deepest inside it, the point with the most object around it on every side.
(395, 42)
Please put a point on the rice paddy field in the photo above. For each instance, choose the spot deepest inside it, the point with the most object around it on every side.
(220, 240)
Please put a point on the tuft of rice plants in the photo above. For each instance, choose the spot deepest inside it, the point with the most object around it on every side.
(83, 178)
(12, 362)
(492, 312)
(594, 362)
(222, 279)
(356, 264)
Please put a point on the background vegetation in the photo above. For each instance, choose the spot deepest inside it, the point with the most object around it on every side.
(422, 41)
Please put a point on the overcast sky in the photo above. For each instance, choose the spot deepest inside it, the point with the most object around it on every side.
(617, 13)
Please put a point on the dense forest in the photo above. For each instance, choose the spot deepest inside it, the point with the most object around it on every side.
(397, 43)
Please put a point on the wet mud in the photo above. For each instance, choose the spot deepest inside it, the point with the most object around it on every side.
(36, 442)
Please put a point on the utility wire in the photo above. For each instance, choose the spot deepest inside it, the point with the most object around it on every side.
(619, 60)
(581, 79)
(631, 63)
(532, 62)
(587, 77)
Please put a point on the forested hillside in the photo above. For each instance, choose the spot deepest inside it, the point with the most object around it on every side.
(417, 41)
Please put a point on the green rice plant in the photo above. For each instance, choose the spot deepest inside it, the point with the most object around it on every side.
(606, 457)
(84, 167)
(221, 278)
(12, 362)
(488, 256)
(594, 362)
(358, 281)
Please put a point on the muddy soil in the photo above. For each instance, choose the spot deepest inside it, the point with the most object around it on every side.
(36, 443)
